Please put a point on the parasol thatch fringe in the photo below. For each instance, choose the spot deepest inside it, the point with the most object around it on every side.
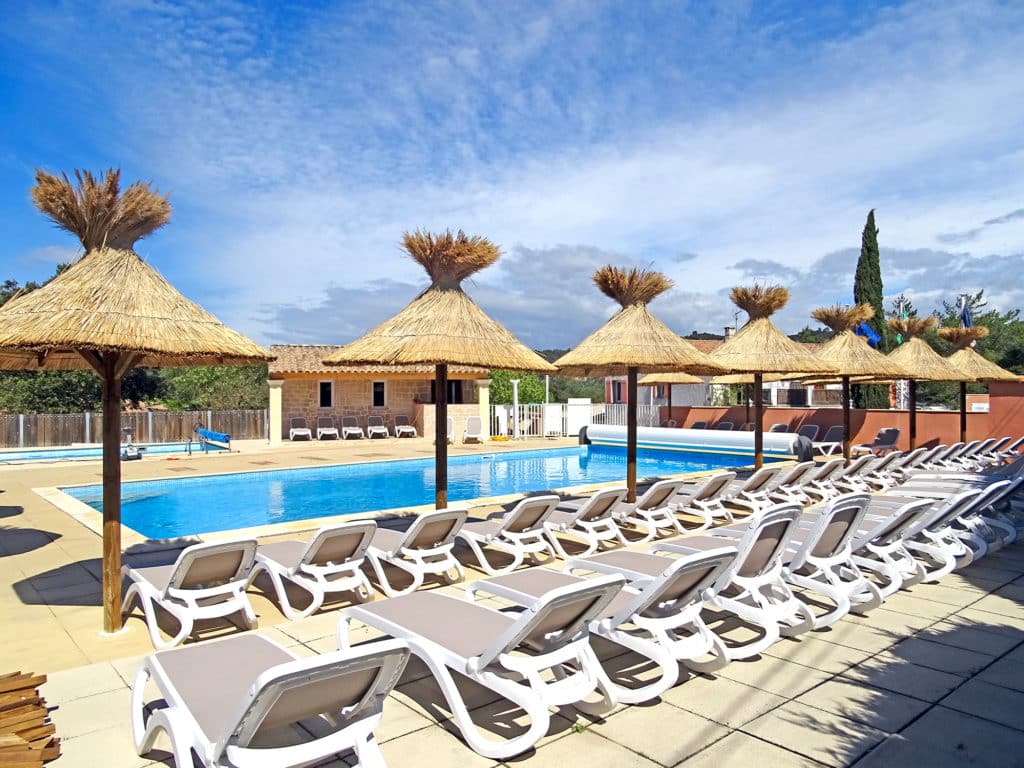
(651, 379)
(760, 301)
(635, 286)
(975, 366)
(634, 337)
(97, 212)
(760, 347)
(443, 326)
(961, 338)
(449, 259)
(840, 318)
(912, 327)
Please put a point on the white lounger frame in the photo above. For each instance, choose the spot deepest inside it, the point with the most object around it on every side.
(518, 544)
(419, 562)
(595, 531)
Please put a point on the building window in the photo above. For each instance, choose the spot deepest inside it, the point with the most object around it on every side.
(379, 391)
(616, 391)
(454, 391)
(326, 394)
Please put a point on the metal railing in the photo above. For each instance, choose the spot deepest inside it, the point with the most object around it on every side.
(563, 420)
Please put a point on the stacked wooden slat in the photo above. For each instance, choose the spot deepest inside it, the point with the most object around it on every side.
(26, 734)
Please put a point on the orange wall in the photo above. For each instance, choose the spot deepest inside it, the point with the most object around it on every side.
(1005, 417)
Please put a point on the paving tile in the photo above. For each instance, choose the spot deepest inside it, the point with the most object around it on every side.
(1001, 606)
(919, 604)
(991, 702)
(820, 735)
(584, 749)
(857, 636)
(891, 622)
(943, 738)
(109, 747)
(723, 700)
(944, 658)
(741, 749)
(964, 636)
(70, 684)
(675, 736)
(782, 678)
(895, 674)
(432, 748)
(1007, 672)
(92, 713)
(991, 573)
(886, 710)
(989, 622)
(425, 696)
(818, 654)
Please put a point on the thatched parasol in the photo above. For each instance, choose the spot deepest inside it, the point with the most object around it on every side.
(654, 379)
(851, 355)
(966, 360)
(759, 347)
(920, 361)
(110, 312)
(441, 327)
(633, 340)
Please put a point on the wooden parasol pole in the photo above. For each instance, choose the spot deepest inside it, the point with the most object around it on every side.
(912, 389)
(758, 421)
(846, 419)
(963, 411)
(441, 436)
(631, 378)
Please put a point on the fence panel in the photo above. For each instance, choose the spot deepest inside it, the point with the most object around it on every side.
(560, 419)
(38, 430)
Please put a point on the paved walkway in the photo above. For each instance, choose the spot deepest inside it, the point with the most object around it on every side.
(934, 677)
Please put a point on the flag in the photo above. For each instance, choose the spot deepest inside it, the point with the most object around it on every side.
(865, 330)
(965, 316)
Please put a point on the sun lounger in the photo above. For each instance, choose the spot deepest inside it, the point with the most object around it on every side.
(779, 428)
(375, 427)
(424, 548)
(503, 653)
(883, 476)
(820, 485)
(850, 479)
(698, 425)
(752, 588)
(810, 431)
(707, 499)
(519, 532)
(653, 511)
(747, 426)
(298, 429)
(932, 541)
(325, 428)
(1012, 451)
(593, 521)
(752, 494)
(330, 563)
(207, 581)
(664, 597)
(247, 701)
(789, 483)
(884, 442)
(403, 428)
(451, 430)
(831, 443)
(474, 432)
(878, 543)
(724, 425)
(350, 428)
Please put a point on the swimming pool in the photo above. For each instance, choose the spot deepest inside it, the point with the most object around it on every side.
(95, 451)
(161, 509)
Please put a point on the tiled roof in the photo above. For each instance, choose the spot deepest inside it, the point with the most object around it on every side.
(710, 345)
(308, 358)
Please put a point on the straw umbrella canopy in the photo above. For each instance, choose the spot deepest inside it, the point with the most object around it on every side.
(109, 312)
(633, 340)
(966, 360)
(654, 379)
(441, 327)
(851, 355)
(920, 361)
(759, 348)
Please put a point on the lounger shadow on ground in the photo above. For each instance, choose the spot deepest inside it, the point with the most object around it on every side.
(18, 541)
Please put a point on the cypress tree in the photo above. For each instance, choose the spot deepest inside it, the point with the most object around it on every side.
(867, 289)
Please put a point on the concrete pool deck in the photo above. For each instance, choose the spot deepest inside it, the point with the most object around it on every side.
(936, 674)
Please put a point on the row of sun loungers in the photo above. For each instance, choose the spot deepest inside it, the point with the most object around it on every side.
(326, 429)
(853, 550)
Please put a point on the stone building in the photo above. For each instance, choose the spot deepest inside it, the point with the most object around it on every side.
(301, 385)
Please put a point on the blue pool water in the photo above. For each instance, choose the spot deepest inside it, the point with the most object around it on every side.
(162, 509)
(94, 451)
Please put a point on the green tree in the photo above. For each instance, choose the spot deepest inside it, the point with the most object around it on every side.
(810, 335)
(224, 388)
(531, 387)
(867, 289)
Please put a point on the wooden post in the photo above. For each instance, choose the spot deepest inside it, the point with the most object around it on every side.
(846, 418)
(631, 378)
(669, 417)
(441, 436)
(912, 389)
(963, 411)
(111, 494)
(758, 421)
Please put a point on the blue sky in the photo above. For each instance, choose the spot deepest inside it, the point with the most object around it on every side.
(720, 143)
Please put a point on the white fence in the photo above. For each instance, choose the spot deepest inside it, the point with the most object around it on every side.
(563, 420)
